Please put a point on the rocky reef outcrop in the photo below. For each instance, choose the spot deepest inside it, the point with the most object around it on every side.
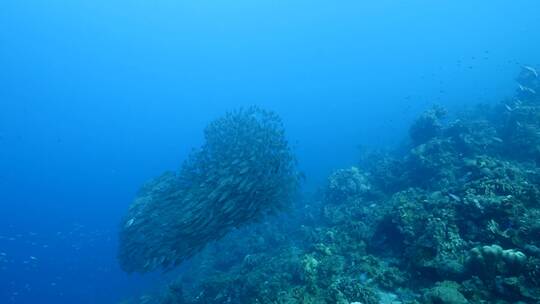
(453, 219)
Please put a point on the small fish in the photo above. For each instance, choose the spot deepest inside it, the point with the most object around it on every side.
(497, 139)
(130, 222)
(33, 258)
(454, 197)
(508, 108)
(526, 89)
(223, 196)
(530, 69)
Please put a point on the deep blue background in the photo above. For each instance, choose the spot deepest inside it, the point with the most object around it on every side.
(98, 96)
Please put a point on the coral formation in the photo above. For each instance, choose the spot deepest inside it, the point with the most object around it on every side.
(244, 170)
(445, 293)
(347, 183)
(453, 219)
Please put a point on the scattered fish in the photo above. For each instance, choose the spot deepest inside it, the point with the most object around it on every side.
(454, 197)
(530, 69)
(130, 222)
(526, 89)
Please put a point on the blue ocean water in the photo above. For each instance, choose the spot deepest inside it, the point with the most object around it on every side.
(96, 97)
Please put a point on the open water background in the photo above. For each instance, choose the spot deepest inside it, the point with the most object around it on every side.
(98, 96)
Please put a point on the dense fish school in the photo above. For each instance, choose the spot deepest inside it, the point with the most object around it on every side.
(244, 170)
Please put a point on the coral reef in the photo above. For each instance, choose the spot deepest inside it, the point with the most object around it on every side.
(347, 183)
(454, 219)
(243, 171)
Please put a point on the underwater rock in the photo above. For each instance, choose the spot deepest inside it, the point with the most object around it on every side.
(514, 257)
(358, 293)
(347, 183)
(427, 126)
(244, 170)
(532, 250)
(473, 137)
(493, 259)
(433, 163)
(460, 208)
(485, 256)
(446, 292)
(514, 288)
